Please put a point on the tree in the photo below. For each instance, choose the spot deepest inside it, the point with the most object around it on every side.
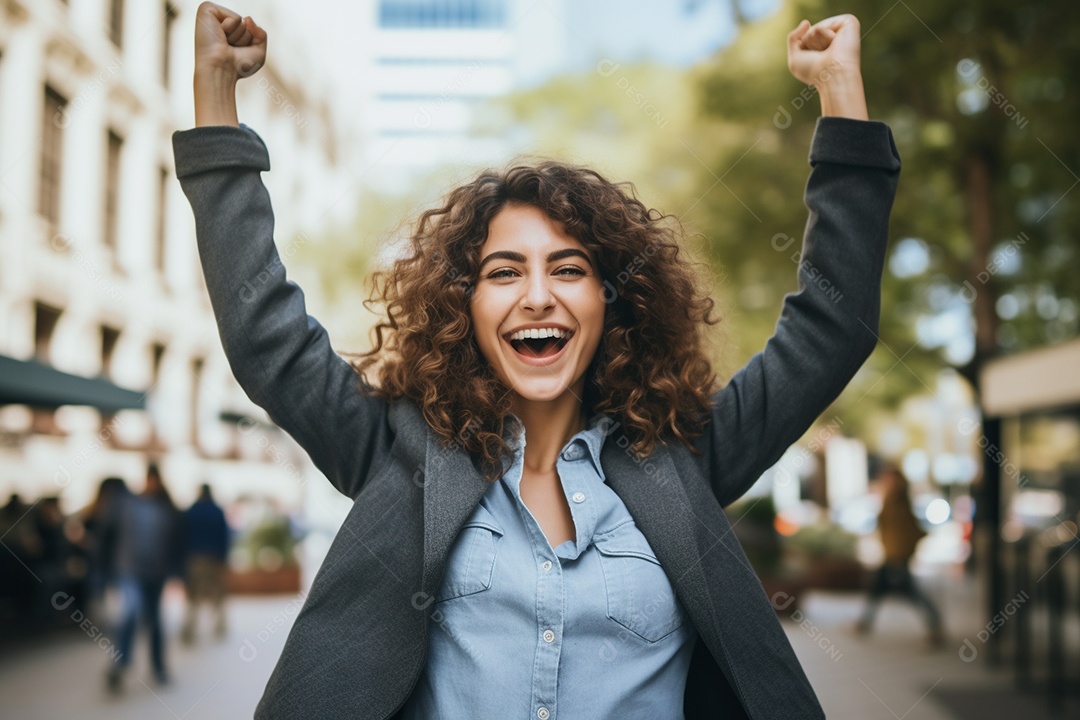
(975, 95)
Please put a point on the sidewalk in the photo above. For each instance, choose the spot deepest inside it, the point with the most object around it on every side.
(64, 675)
(893, 674)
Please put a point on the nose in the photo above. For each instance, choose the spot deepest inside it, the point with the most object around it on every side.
(537, 295)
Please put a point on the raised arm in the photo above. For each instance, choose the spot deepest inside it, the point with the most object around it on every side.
(280, 355)
(829, 326)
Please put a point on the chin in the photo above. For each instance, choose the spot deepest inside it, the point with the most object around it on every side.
(539, 389)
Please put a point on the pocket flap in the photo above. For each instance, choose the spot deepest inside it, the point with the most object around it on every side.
(624, 541)
(482, 517)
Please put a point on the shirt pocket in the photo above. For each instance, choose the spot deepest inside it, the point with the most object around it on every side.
(471, 561)
(640, 596)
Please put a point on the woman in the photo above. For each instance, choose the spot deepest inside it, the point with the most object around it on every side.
(541, 304)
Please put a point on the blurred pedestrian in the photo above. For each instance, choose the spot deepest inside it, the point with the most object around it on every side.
(144, 532)
(50, 561)
(207, 550)
(23, 544)
(900, 534)
(99, 556)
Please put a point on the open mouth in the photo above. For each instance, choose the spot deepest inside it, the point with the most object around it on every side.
(539, 348)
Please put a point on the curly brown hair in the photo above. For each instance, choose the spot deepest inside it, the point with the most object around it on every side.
(651, 372)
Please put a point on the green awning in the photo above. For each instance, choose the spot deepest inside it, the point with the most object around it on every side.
(235, 418)
(29, 382)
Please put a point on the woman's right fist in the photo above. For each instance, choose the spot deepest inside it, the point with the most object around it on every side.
(225, 41)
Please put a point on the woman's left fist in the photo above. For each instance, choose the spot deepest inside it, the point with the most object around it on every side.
(827, 48)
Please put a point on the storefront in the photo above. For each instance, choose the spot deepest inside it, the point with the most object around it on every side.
(1033, 454)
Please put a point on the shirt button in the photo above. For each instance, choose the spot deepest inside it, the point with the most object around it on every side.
(549, 636)
(546, 565)
(542, 713)
(579, 497)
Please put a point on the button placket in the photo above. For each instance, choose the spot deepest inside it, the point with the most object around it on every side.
(549, 617)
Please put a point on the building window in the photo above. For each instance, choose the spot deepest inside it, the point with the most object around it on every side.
(109, 337)
(43, 422)
(112, 190)
(407, 14)
(163, 196)
(166, 44)
(116, 22)
(158, 356)
(45, 318)
(52, 132)
(196, 383)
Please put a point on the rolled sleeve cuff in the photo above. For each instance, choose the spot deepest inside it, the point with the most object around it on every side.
(854, 142)
(212, 147)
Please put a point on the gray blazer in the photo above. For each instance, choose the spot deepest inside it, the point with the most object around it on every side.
(358, 644)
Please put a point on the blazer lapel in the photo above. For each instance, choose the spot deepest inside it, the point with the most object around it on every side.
(453, 488)
(653, 493)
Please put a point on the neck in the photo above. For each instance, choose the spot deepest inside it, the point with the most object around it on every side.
(549, 425)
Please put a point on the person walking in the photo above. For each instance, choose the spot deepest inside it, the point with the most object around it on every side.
(900, 534)
(94, 541)
(206, 533)
(144, 532)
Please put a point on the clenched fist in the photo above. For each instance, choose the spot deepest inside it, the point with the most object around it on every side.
(827, 48)
(227, 42)
(826, 55)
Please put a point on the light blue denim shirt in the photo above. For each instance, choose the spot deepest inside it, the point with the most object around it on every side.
(591, 629)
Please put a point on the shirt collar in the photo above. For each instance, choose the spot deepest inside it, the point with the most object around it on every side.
(596, 430)
(593, 436)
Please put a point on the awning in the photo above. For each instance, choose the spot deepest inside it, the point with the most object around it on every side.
(28, 382)
(1039, 379)
(244, 421)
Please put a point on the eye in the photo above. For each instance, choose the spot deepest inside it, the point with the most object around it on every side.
(498, 274)
(574, 270)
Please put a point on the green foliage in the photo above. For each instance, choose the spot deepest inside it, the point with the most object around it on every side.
(1010, 119)
(757, 512)
(270, 544)
(824, 540)
(753, 522)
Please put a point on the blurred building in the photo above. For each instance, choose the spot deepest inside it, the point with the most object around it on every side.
(433, 65)
(1029, 439)
(99, 271)
(427, 68)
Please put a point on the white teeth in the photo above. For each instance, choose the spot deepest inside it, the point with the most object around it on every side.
(537, 333)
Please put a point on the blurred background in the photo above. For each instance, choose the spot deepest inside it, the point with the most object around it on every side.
(110, 359)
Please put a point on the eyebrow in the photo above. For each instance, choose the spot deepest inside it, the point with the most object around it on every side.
(518, 257)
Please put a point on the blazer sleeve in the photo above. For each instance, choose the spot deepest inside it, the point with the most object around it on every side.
(280, 355)
(828, 327)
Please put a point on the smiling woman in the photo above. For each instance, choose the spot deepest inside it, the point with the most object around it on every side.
(538, 250)
(540, 462)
